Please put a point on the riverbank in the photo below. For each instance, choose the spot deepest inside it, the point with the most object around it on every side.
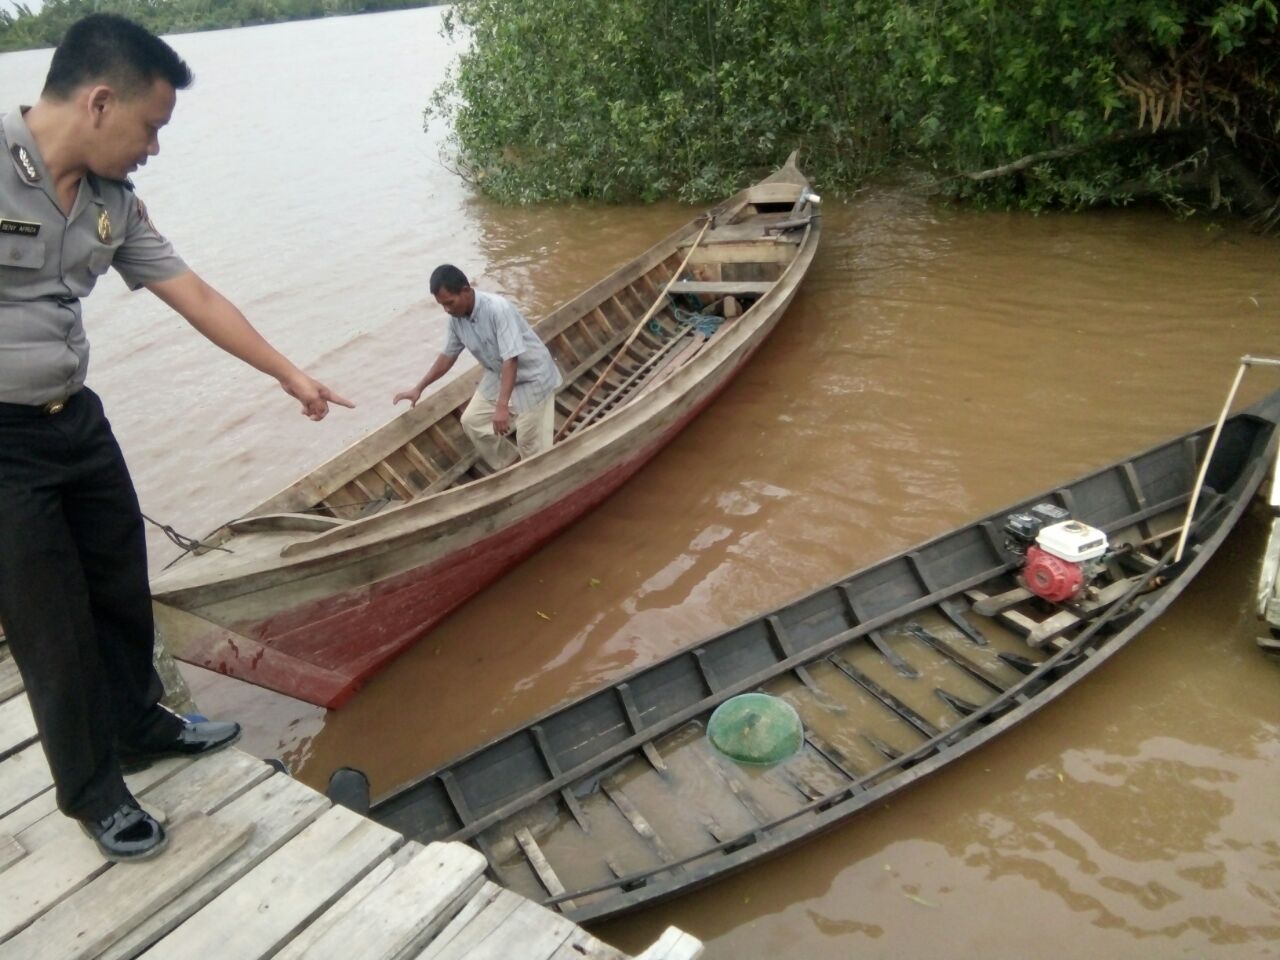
(31, 27)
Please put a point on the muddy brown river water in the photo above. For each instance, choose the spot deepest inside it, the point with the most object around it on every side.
(937, 364)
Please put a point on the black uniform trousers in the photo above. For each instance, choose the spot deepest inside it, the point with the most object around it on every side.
(74, 597)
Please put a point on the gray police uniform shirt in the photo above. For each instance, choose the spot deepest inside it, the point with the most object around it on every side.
(496, 331)
(49, 261)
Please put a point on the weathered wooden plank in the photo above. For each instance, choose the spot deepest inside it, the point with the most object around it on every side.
(10, 851)
(583, 946)
(303, 878)
(541, 866)
(208, 784)
(674, 944)
(1040, 632)
(628, 701)
(17, 725)
(728, 287)
(403, 913)
(10, 679)
(349, 900)
(486, 909)
(44, 804)
(739, 790)
(279, 808)
(47, 875)
(89, 921)
(44, 824)
(61, 860)
(22, 776)
(989, 606)
(553, 768)
(528, 931)
(613, 790)
(745, 251)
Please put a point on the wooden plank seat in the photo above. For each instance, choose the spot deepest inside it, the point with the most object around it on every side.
(753, 230)
(734, 288)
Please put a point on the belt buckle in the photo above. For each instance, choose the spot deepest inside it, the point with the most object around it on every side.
(53, 406)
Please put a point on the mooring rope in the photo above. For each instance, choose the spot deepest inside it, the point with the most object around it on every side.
(187, 544)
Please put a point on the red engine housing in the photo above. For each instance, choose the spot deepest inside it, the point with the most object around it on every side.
(1052, 577)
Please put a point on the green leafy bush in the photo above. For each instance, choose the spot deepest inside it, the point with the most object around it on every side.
(636, 99)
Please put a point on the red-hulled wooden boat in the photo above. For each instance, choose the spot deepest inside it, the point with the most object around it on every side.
(319, 586)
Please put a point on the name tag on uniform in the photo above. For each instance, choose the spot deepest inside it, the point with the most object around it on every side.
(23, 228)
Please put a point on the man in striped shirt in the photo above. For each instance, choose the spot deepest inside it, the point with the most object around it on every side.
(518, 388)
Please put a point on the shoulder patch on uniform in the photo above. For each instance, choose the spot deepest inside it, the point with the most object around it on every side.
(146, 217)
(26, 166)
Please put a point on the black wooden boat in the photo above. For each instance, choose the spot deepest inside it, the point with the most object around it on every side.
(618, 799)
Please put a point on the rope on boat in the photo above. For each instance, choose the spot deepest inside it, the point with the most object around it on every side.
(657, 304)
(704, 323)
(187, 544)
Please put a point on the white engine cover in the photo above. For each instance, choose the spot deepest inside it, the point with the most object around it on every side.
(1072, 540)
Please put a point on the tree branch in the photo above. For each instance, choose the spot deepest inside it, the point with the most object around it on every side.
(1075, 149)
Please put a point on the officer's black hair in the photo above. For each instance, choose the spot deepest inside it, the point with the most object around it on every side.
(111, 49)
(448, 276)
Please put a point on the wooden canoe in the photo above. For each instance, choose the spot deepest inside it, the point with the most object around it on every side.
(317, 587)
(618, 800)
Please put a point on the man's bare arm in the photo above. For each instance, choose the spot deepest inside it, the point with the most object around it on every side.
(438, 369)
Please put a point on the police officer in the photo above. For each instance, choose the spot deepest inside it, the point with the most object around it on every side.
(74, 596)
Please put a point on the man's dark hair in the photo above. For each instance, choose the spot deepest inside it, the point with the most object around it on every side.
(110, 49)
(448, 276)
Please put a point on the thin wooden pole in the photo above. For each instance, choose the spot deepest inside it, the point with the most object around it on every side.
(568, 424)
(1208, 456)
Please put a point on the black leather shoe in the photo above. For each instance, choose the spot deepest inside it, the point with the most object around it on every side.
(127, 833)
(192, 740)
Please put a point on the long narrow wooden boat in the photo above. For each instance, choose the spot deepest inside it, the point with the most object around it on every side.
(619, 799)
(317, 587)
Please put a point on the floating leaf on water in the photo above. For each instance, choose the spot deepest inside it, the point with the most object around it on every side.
(920, 900)
(543, 615)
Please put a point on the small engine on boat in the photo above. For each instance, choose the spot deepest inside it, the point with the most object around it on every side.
(1061, 556)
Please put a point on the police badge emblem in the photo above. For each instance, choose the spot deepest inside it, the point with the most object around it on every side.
(104, 227)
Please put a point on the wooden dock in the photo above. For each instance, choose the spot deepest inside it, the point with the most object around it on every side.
(258, 866)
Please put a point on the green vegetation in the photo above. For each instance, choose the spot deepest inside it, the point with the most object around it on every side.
(1047, 102)
(23, 30)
